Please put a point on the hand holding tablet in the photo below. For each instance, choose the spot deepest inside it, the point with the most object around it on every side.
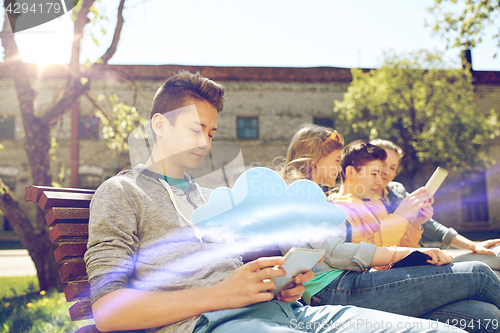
(297, 261)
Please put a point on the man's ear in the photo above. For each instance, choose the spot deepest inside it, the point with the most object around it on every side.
(158, 123)
(350, 171)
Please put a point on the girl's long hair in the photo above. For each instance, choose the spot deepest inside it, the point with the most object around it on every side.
(308, 145)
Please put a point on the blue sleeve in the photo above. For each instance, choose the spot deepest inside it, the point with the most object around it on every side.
(437, 232)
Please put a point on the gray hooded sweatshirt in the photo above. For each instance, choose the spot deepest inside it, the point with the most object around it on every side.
(141, 236)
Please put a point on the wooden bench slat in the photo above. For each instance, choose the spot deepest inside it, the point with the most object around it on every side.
(69, 252)
(67, 215)
(27, 193)
(88, 329)
(80, 310)
(36, 191)
(69, 233)
(77, 291)
(73, 271)
(50, 199)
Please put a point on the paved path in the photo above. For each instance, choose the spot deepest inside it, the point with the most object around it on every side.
(16, 263)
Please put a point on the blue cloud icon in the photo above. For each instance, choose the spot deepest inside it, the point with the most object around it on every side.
(261, 205)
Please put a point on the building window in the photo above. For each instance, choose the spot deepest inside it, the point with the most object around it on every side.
(475, 198)
(7, 127)
(89, 128)
(323, 121)
(248, 128)
(90, 182)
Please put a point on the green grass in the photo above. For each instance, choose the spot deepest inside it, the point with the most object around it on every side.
(15, 286)
(25, 309)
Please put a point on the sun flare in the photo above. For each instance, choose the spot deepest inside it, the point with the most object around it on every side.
(47, 43)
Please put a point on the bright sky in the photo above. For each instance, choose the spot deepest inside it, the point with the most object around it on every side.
(337, 33)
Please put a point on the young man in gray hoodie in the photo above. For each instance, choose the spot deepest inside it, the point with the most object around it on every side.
(151, 268)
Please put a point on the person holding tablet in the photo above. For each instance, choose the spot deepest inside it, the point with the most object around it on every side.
(344, 277)
(391, 193)
(150, 267)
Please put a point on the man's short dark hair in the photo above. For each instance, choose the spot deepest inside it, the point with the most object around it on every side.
(358, 153)
(184, 86)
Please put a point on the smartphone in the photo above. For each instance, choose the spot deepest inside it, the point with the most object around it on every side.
(436, 180)
(297, 261)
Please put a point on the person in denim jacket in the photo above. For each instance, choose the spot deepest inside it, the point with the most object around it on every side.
(392, 193)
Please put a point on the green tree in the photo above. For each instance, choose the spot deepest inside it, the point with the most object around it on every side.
(38, 125)
(426, 108)
(463, 23)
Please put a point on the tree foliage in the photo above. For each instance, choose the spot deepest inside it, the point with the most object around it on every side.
(463, 23)
(118, 123)
(424, 107)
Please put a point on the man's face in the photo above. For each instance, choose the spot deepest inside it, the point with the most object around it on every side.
(367, 179)
(391, 165)
(187, 142)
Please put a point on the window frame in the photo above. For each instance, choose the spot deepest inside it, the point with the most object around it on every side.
(257, 129)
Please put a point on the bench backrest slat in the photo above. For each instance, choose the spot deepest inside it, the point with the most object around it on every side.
(67, 215)
(69, 233)
(69, 252)
(77, 291)
(33, 193)
(50, 199)
(80, 310)
(90, 329)
(73, 271)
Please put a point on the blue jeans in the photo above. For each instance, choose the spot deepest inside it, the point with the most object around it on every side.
(280, 317)
(467, 315)
(432, 292)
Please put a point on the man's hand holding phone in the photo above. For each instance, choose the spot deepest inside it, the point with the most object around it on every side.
(297, 289)
(298, 265)
(249, 284)
(253, 283)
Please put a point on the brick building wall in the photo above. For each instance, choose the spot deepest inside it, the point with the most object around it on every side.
(281, 99)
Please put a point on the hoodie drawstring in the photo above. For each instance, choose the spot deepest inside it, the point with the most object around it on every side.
(199, 192)
(172, 197)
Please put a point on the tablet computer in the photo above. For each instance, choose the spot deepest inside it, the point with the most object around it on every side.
(297, 260)
(436, 180)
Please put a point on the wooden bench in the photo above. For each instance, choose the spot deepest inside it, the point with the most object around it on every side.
(67, 215)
